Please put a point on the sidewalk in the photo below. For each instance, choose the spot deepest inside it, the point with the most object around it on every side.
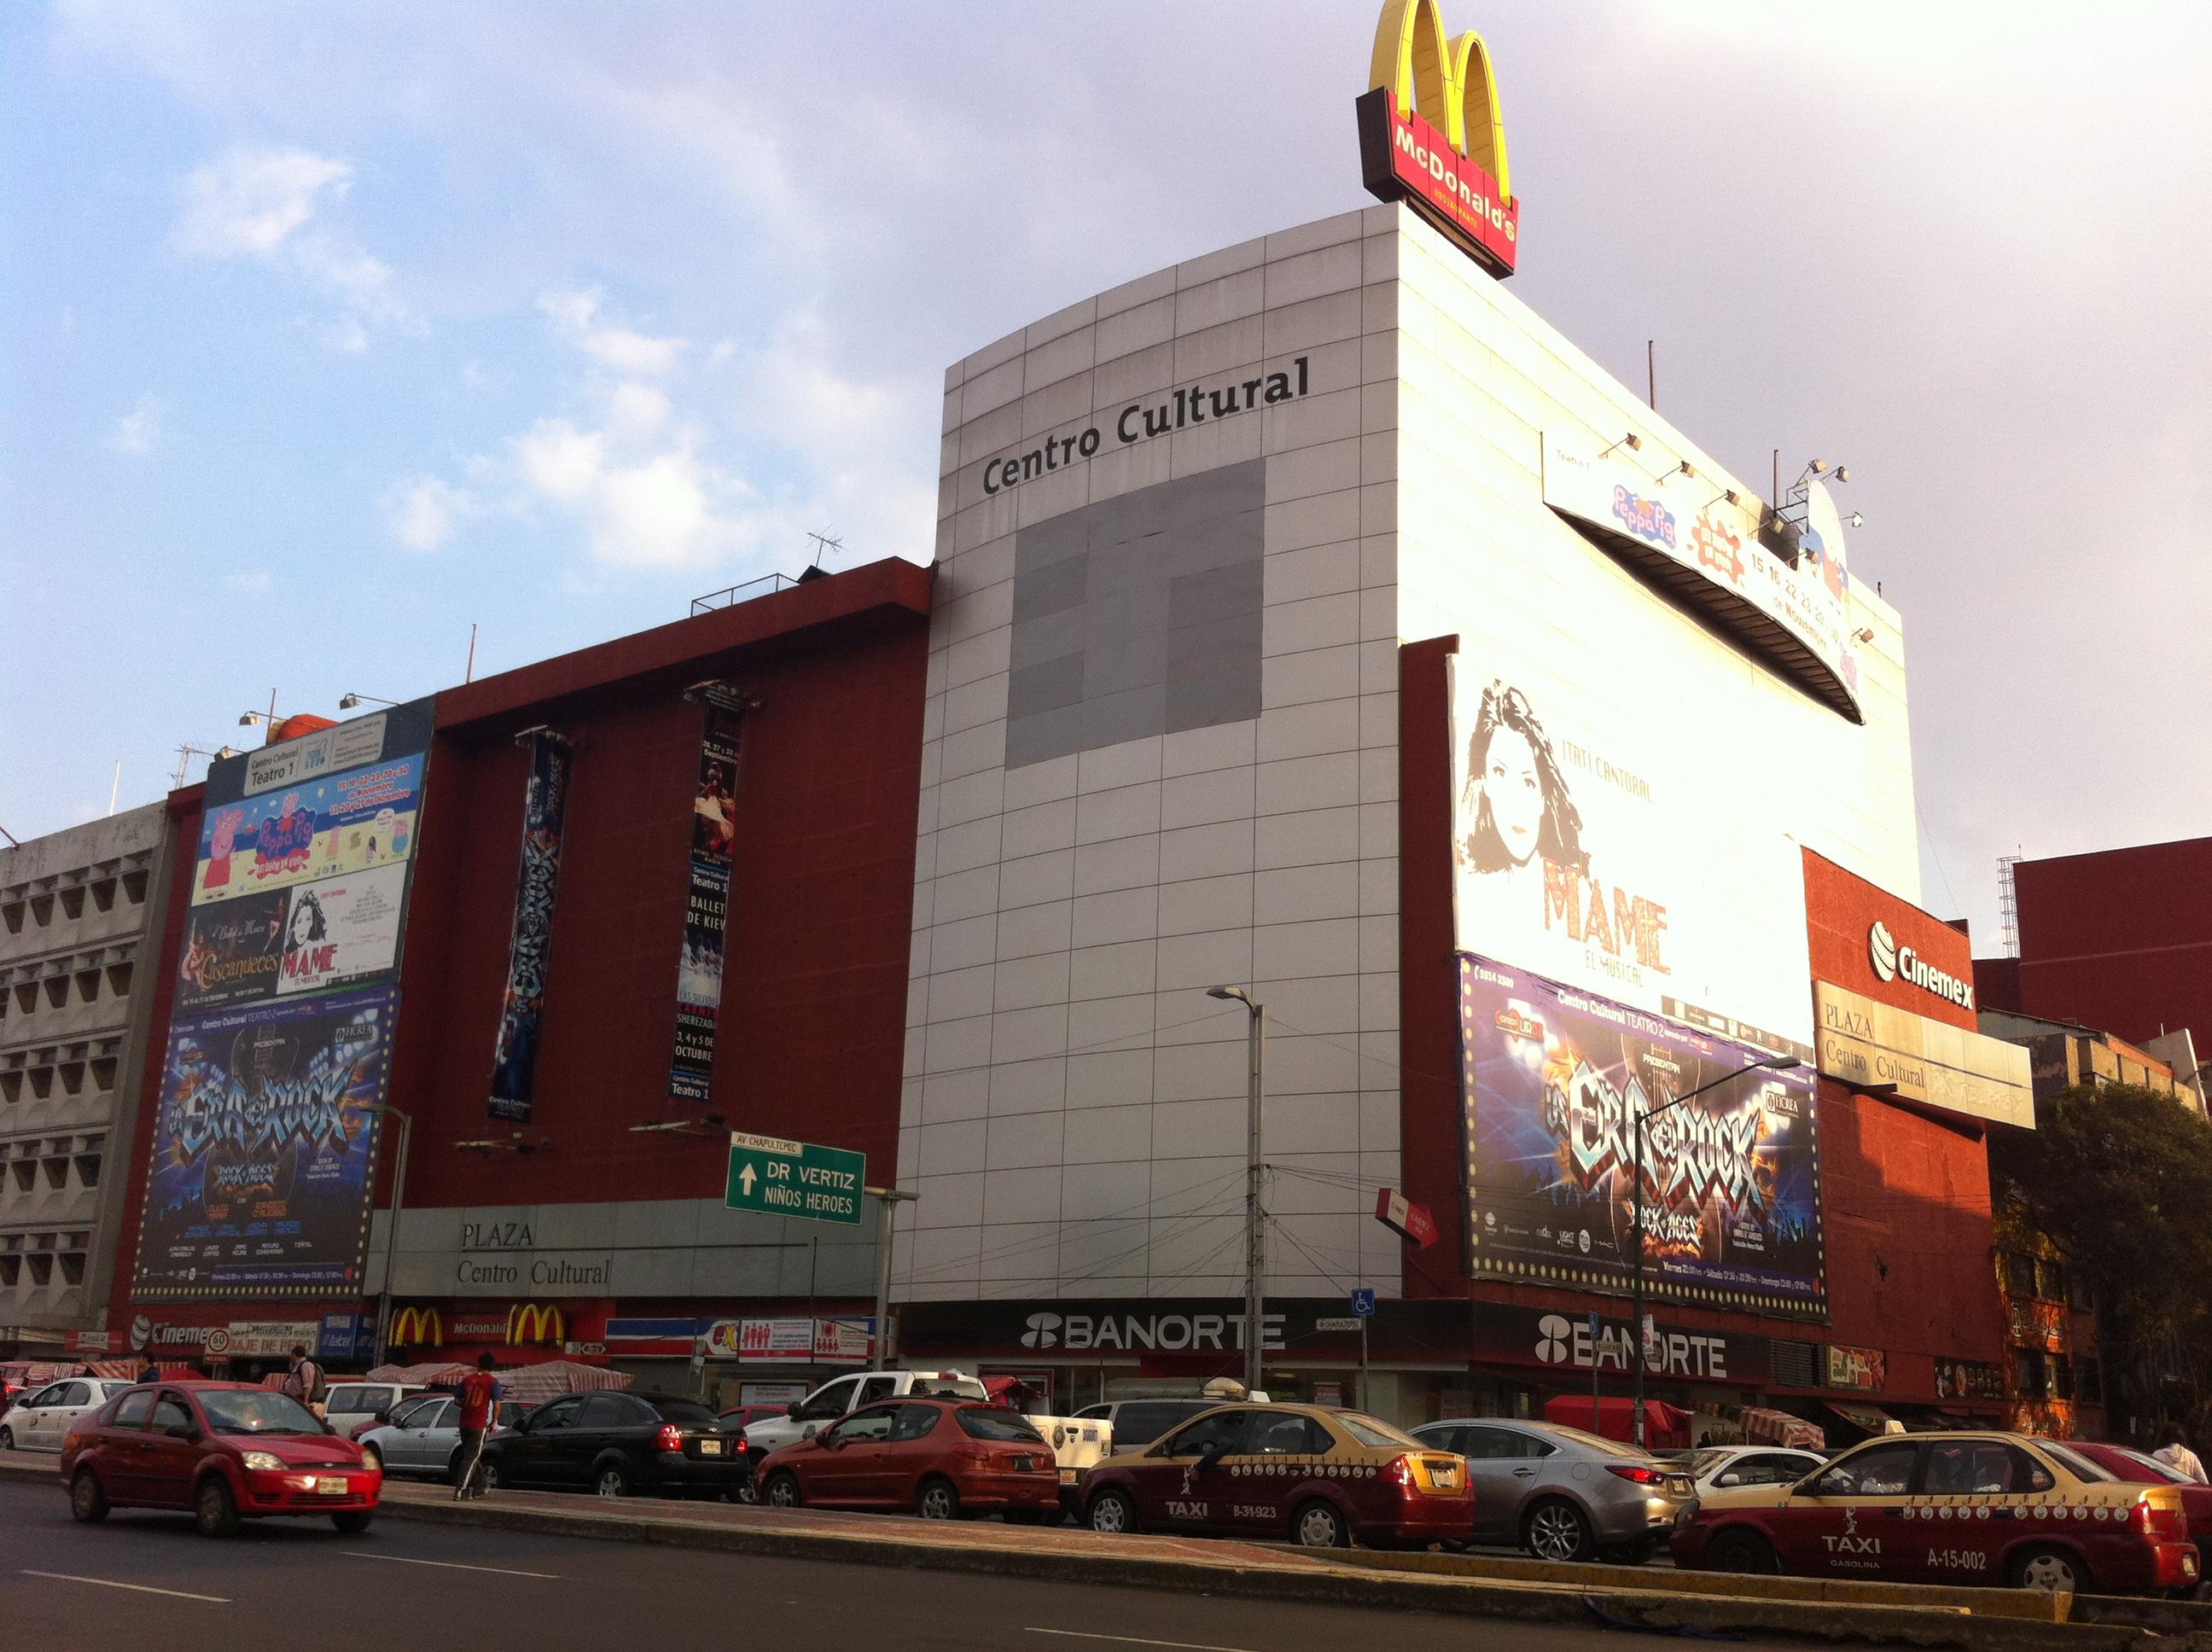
(1973, 1620)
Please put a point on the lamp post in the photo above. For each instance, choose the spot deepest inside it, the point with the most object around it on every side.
(888, 1202)
(1255, 1230)
(1775, 1063)
(392, 1230)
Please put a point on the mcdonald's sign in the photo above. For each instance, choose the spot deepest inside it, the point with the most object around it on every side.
(534, 1322)
(418, 1327)
(1429, 133)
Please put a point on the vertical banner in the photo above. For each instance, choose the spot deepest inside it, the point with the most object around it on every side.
(705, 905)
(545, 803)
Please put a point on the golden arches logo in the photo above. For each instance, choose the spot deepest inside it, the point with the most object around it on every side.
(418, 1327)
(529, 1322)
(1450, 82)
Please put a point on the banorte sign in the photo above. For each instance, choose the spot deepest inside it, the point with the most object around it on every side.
(1429, 133)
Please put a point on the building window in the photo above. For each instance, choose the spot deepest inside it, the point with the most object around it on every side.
(11, 1271)
(56, 1172)
(57, 991)
(72, 1074)
(73, 903)
(1795, 1364)
(2079, 1296)
(2089, 1383)
(88, 1169)
(12, 913)
(103, 894)
(2018, 1273)
(134, 887)
(42, 1268)
(2030, 1374)
(72, 1267)
(2050, 1280)
(2062, 1377)
(42, 910)
(103, 1072)
(118, 980)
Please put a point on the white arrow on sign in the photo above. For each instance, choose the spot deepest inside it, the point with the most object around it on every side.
(746, 1180)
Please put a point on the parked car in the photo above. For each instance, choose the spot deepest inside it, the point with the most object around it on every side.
(2140, 1468)
(1320, 1477)
(1714, 1467)
(942, 1457)
(349, 1404)
(846, 1393)
(620, 1445)
(38, 1420)
(424, 1437)
(1964, 1507)
(224, 1450)
(1560, 1493)
(396, 1417)
(1139, 1422)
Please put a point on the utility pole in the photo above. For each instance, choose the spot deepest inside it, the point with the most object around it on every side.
(888, 1200)
(391, 1231)
(1255, 1218)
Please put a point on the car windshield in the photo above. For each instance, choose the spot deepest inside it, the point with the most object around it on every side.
(947, 1387)
(686, 1414)
(996, 1423)
(2150, 1466)
(1701, 1460)
(2074, 1464)
(1596, 1442)
(1371, 1432)
(262, 1411)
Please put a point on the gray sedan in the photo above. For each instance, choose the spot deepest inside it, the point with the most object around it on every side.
(1560, 1493)
(427, 1440)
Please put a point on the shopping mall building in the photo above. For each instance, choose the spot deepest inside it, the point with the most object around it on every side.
(1310, 617)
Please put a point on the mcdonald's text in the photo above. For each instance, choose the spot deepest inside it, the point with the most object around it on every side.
(1404, 158)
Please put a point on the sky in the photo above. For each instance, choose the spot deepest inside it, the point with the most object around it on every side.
(327, 333)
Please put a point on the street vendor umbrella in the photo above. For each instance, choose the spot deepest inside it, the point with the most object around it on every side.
(534, 1385)
(1665, 1427)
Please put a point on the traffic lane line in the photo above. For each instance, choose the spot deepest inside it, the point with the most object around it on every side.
(449, 1565)
(1133, 1640)
(135, 1589)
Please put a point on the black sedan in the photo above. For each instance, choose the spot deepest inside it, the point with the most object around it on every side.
(620, 1445)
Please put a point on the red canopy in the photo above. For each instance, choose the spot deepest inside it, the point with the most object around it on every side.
(1666, 1427)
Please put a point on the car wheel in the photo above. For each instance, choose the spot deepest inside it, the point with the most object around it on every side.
(612, 1480)
(2055, 1570)
(938, 1499)
(214, 1508)
(1112, 1513)
(1317, 1525)
(7, 1439)
(352, 1522)
(1557, 1530)
(489, 1473)
(1740, 1549)
(87, 1501)
(782, 1490)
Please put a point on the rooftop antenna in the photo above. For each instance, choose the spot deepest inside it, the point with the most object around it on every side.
(186, 752)
(2007, 906)
(824, 543)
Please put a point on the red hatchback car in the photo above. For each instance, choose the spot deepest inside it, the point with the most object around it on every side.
(941, 1458)
(224, 1450)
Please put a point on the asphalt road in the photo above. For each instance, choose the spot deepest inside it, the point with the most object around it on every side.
(144, 1579)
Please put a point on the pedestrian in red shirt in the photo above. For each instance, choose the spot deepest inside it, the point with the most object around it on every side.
(479, 1392)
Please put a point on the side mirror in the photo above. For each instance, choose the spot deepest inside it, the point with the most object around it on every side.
(792, 1410)
(1729, 1479)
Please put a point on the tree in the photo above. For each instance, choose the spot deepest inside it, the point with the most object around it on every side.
(2121, 1178)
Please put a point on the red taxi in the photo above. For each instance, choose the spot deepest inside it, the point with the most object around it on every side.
(1320, 1477)
(1974, 1508)
(941, 1458)
(224, 1450)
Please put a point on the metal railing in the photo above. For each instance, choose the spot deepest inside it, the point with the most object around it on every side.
(766, 585)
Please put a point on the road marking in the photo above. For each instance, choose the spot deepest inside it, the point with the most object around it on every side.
(1133, 1640)
(449, 1565)
(137, 1588)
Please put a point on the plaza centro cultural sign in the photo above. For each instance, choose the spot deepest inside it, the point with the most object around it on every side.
(1431, 135)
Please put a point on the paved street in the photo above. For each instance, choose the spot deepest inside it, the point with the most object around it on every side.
(149, 1579)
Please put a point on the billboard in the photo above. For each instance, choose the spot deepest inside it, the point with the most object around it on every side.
(1553, 1080)
(263, 1148)
(1431, 135)
(707, 901)
(544, 808)
(276, 942)
(1607, 835)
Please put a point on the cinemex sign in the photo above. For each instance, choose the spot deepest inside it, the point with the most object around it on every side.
(1893, 963)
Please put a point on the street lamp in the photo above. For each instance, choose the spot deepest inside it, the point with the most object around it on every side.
(887, 1214)
(347, 701)
(1775, 1063)
(391, 1231)
(1256, 1242)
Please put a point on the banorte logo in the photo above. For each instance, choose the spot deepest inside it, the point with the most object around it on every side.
(1041, 1331)
(1881, 950)
(1553, 1332)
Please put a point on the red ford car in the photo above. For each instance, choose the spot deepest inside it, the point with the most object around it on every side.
(941, 1458)
(1320, 1477)
(224, 1450)
(2140, 1468)
(1974, 1509)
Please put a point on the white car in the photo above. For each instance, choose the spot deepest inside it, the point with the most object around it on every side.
(349, 1404)
(40, 1419)
(1729, 1466)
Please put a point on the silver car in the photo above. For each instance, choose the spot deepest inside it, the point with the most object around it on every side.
(425, 1438)
(1562, 1494)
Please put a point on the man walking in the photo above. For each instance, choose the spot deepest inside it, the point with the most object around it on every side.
(306, 1382)
(479, 1393)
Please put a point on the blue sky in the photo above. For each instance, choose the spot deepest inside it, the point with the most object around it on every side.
(331, 331)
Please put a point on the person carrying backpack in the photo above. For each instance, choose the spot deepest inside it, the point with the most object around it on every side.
(307, 1383)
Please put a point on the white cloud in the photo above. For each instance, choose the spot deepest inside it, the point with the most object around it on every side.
(254, 584)
(427, 512)
(640, 489)
(248, 201)
(575, 317)
(138, 431)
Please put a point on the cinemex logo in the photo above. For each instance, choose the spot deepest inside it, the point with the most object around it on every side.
(1042, 1331)
(1552, 1344)
(1892, 961)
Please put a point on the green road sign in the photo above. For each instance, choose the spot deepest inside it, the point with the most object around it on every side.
(795, 1178)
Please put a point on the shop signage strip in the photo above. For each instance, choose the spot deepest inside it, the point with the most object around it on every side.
(544, 808)
(1867, 1043)
(706, 899)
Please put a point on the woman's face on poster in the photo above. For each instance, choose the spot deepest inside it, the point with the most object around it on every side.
(1515, 791)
